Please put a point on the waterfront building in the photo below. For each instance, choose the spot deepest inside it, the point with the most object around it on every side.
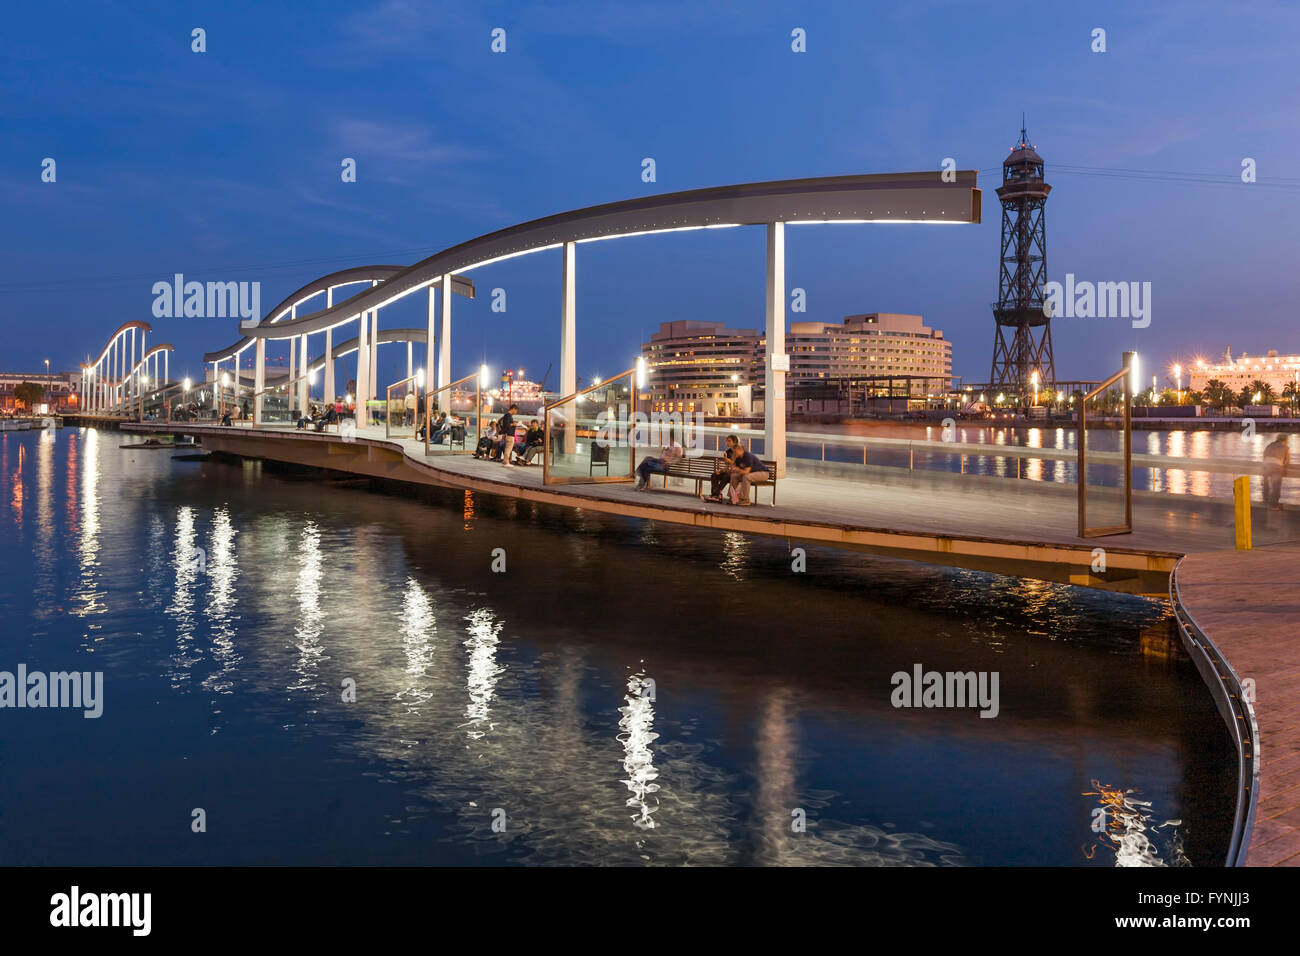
(701, 366)
(705, 366)
(60, 389)
(1276, 370)
(873, 344)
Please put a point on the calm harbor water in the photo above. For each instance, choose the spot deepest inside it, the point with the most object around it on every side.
(230, 605)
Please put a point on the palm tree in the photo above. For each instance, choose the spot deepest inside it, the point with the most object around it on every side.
(1217, 394)
(1263, 390)
(1291, 392)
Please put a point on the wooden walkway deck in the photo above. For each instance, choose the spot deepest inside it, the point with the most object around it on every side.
(1247, 602)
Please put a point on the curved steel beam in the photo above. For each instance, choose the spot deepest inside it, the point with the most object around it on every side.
(165, 347)
(463, 287)
(126, 326)
(888, 197)
(350, 346)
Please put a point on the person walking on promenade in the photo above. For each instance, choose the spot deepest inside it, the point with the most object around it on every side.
(410, 408)
(1277, 456)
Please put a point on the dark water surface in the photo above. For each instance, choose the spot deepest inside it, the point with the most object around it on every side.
(228, 605)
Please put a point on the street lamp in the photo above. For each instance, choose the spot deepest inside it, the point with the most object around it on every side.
(1034, 378)
(1178, 381)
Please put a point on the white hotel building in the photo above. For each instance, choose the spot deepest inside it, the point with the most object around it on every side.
(701, 366)
(1277, 370)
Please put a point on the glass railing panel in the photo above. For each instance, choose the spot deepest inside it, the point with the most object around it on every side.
(457, 414)
(592, 435)
(1105, 473)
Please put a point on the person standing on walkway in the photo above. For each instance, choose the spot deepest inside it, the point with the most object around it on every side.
(508, 433)
(1277, 456)
(410, 407)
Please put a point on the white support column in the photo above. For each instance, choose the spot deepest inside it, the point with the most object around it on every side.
(329, 365)
(363, 354)
(375, 386)
(568, 340)
(131, 367)
(304, 393)
(431, 341)
(329, 350)
(444, 346)
(144, 370)
(777, 361)
(167, 366)
(373, 370)
(410, 358)
(293, 370)
(259, 381)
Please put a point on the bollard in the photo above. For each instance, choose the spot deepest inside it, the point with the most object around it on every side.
(1241, 511)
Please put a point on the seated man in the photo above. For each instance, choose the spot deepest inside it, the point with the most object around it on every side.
(330, 417)
(722, 477)
(225, 419)
(657, 466)
(746, 467)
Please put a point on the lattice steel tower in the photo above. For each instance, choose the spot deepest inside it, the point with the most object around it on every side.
(1022, 336)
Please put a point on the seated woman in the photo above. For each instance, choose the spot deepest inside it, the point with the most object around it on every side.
(534, 442)
(487, 441)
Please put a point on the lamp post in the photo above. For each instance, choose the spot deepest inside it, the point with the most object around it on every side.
(1178, 382)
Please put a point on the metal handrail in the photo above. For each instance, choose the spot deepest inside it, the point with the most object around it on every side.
(1233, 466)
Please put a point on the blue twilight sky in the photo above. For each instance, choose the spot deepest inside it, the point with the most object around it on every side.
(225, 165)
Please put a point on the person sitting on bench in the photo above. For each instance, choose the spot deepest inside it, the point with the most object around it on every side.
(657, 466)
(330, 417)
(440, 429)
(488, 442)
(746, 467)
(722, 477)
(534, 442)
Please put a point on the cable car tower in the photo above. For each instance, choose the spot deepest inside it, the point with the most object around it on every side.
(1022, 335)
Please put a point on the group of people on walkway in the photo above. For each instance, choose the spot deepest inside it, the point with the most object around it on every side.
(500, 441)
(736, 471)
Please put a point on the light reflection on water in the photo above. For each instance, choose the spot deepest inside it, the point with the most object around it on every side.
(233, 605)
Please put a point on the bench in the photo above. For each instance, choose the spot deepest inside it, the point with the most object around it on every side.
(702, 468)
